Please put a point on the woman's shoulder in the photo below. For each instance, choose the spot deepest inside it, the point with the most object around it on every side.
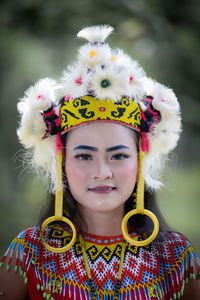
(172, 239)
(173, 246)
(170, 261)
(173, 250)
(27, 234)
(53, 233)
(27, 245)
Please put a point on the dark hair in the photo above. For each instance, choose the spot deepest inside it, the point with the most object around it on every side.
(71, 211)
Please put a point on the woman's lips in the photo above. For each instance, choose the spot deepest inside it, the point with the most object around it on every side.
(103, 189)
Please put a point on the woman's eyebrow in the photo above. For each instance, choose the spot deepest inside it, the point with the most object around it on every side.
(84, 147)
(91, 148)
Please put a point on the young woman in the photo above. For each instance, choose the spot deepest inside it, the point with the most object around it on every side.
(101, 147)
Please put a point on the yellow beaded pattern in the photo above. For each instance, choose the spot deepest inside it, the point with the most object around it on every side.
(88, 109)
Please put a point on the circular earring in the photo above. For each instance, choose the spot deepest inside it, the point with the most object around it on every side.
(139, 209)
(58, 213)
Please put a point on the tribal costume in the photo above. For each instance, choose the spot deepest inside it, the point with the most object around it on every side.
(159, 270)
(57, 261)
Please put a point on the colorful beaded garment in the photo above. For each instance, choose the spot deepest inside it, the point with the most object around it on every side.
(157, 271)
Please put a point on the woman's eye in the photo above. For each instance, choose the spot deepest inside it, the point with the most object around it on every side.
(120, 156)
(83, 157)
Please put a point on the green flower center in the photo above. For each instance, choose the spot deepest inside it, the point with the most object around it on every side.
(105, 83)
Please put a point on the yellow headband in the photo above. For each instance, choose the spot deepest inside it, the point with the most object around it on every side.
(88, 109)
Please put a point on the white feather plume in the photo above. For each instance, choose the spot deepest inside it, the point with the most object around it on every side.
(165, 134)
(44, 160)
(32, 128)
(95, 33)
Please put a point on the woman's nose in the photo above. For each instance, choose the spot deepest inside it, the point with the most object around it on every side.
(102, 169)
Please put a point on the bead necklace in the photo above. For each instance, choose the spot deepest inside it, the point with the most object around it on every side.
(91, 280)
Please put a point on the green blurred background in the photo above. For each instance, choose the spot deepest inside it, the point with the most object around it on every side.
(37, 39)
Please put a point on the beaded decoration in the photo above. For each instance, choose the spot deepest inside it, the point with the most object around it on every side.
(157, 271)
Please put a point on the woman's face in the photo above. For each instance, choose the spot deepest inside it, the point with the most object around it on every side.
(99, 156)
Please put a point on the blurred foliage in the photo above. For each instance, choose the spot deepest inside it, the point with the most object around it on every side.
(37, 39)
(179, 202)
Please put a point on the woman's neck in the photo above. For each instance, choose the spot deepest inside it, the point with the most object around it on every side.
(103, 223)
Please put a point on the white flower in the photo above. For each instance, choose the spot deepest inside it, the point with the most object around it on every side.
(119, 59)
(122, 62)
(39, 96)
(136, 81)
(108, 84)
(73, 81)
(94, 54)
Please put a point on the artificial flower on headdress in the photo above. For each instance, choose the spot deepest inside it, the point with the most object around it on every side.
(108, 84)
(97, 52)
(93, 55)
(123, 62)
(73, 81)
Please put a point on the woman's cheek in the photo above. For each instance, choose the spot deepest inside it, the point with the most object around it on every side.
(129, 171)
(76, 174)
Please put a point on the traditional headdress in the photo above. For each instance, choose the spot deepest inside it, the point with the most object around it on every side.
(103, 85)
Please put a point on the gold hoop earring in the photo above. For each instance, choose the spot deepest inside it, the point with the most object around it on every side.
(140, 209)
(58, 212)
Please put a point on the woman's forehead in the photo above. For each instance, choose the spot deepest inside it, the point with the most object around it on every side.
(101, 132)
